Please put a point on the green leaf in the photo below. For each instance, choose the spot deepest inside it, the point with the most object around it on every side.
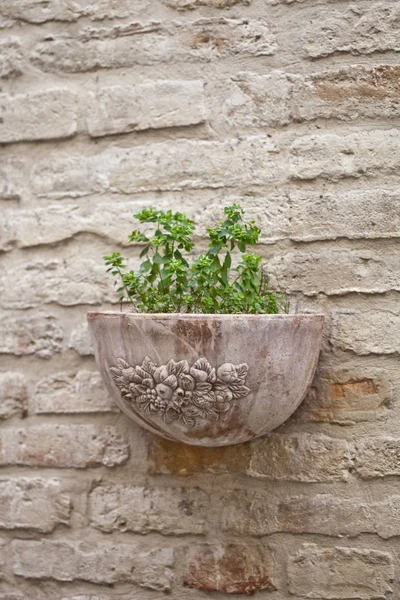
(146, 265)
(171, 279)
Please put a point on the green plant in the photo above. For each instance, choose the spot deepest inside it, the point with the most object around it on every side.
(166, 282)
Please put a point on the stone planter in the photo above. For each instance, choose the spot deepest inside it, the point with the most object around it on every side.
(207, 380)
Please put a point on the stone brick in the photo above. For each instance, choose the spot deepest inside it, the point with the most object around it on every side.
(11, 186)
(333, 156)
(339, 573)
(192, 4)
(10, 58)
(378, 457)
(78, 281)
(38, 116)
(275, 2)
(154, 43)
(279, 98)
(362, 30)
(373, 332)
(33, 503)
(36, 11)
(33, 334)
(83, 392)
(173, 458)
(300, 457)
(310, 216)
(121, 109)
(102, 562)
(74, 446)
(8, 232)
(90, 597)
(249, 512)
(335, 272)
(53, 223)
(174, 165)
(347, 397)
(13, 395)
(233, 568)
(80, 340)
(172, 511)
(85, 597)
(3, 550)
(263, 513)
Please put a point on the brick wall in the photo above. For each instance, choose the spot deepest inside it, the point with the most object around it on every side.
(292, 108)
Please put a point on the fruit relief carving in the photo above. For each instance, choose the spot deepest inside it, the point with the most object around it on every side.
(179, 391)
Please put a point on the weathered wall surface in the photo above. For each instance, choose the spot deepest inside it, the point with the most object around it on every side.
(291, 108)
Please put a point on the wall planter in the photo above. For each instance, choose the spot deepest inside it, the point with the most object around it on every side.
(207, 380)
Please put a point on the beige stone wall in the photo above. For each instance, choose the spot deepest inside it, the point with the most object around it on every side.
(291, 108)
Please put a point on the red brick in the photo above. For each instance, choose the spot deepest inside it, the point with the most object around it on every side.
(347, 397)
(234, 569)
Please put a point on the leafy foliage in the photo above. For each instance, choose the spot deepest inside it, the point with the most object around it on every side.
(166, 282)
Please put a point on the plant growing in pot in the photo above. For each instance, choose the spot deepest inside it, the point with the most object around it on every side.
(207, 355)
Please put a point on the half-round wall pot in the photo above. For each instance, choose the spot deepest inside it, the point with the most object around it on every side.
(207, 380)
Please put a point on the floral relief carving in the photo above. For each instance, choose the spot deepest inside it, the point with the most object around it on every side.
(180, 392)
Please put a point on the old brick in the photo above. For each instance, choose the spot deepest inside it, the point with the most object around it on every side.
(8, 232)
(253, 99)
(78, 281)
(262, 513)
(141, 510)
(85, 597)
(376, 332)
(275, 2)
(34, 334)
(378, 457)
(333, 156)
(36, 11)
(38, 116)
(83, 392)
(164, 166)
(121, 109)
(75, 446)
(33, 503)
(279, 98)
(309, 216)
(137, 44)
(3, 551)
(340, 573)
(53, 223)
(329, 515)
(11, 185)
(173, 458)
(347, 397)
(13, 395)
(102, 562)
(369, 28)
(249, 513)
(336, 272)
(80, 340)
(301, 457)
(192, 4)
(10, 58)
(234, 568)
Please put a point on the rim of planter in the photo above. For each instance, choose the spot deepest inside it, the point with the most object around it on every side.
(220, 382)
(199, 315)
